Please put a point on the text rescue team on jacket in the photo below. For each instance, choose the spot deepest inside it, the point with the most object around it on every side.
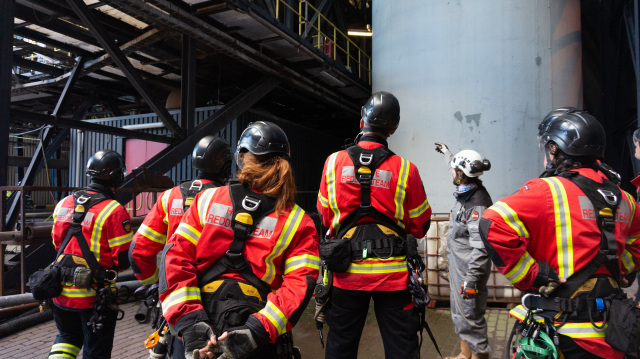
(566, 237)
(394, 178)
(283, 252)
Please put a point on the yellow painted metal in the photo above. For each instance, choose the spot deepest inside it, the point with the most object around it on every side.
(334, 43)
(277, 9)
(348, 55)
(299, 17)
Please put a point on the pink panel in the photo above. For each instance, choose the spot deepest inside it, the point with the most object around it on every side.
(136, 153)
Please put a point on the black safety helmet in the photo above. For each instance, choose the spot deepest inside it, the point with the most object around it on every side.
(107, 167)
(261, 138)
(382, 112)
(636, 135)
(212, 155)
(576, 132)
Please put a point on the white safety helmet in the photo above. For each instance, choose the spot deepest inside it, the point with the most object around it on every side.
(471, 163)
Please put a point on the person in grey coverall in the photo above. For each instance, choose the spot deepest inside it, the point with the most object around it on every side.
(469, 265)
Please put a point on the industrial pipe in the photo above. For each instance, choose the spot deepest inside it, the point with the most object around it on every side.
(25, 322)
(19, 299)
(12, 312)
(43, 230)
(142, 314)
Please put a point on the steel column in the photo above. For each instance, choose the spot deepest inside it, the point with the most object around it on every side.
(188, 85)
(636, 33)
(107, 42)
(6, 57)
(166, 159)
(113, 103)
(68, 87)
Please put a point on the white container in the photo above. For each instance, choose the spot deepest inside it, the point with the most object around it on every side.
(437, 273)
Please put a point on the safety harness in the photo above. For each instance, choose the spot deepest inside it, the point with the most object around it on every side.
(229, 302)
(190, 189)
(72, 273)
(573, 299)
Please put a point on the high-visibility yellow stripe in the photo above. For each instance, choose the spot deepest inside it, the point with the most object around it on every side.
(188, 232)
(511, 218)
(118, 241)
(77, 292)
(323, 201)
(520, 313)
(94, 242)
(521, 268)
(416, 212)
(564, 238)
(152, 235)
(627, 261)
(288, 232)
(378, 268)
(582, 330)
(179, 296)
(632, 239)
(164, 203)
(401, 190)
(204, 202)
(276, 317)
(331, 191)
(305, 260)
(151, 280)
(66, 347)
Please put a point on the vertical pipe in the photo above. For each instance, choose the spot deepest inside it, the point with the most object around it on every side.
(359, 64)
(334, 43)
(79, 145)
(348, 54)
(23, 229)
(6, 56)
(319, 32)
(277, 8)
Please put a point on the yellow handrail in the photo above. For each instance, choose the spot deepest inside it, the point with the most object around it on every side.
(303, 19)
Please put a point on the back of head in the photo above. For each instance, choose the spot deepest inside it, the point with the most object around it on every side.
(574, 137)
(263, 157)
(470, 163)
(381, 112)
(212, 155)
(107, 167)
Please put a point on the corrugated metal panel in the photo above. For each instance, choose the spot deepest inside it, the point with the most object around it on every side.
(309, 147)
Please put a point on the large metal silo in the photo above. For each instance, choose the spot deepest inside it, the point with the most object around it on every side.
(476, 75)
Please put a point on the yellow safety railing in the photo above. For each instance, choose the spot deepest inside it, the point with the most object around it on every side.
(362, 60)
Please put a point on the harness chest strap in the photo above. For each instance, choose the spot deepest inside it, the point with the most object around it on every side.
(190, 189)
(365, 163)
(249, 208)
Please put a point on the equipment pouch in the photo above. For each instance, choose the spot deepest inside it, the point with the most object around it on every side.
(82, 277)
(621, 333)
(336, 254)
(45, 284)
(412, 246)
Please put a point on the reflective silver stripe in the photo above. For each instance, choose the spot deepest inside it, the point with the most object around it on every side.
(67, 348)
(97, 227)
(299, 261)
(503, 210)
(377, 267)
(401, 188)
(203, 204)
(151, 234)
(331, 192)
(521, 268)
(181, 295)
(275, 316)
(288, 231)
(565, 247)
(189, 233)
(418, 211)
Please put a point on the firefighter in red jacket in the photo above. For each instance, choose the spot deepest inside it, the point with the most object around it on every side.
(106, 228)
(636, 154)
(373, 197)
(575, 244)
(241, 266)
(212, 158)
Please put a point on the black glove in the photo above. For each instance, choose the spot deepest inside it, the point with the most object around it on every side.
(468, 290)
(241, 341)
(441, 147)
(195, 337)
(547, 279)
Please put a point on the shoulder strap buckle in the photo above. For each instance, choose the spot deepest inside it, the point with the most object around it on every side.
(82, 199)
(366, 158)
(608, 196)
(197, 185)
(250, 204)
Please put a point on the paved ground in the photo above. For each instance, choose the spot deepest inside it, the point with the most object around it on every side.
(36, 342)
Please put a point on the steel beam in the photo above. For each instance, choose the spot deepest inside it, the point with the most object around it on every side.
(88, 126)
(324, 7)
(188, 86)
(113, 103)
(39, 37)
(6, 57)
(37, 66)
(68, 87)
(166, 159)
(89, 19)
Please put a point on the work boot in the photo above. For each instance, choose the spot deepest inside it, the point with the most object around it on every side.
(465, 352)
(480, 356)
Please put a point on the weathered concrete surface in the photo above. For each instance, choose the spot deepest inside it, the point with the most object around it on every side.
(36, 342)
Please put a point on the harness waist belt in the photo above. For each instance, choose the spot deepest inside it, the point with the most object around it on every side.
(562, 304)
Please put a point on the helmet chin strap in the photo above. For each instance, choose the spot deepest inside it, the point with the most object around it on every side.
(549, 164)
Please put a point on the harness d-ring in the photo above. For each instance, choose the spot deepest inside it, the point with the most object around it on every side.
(525, 306)
(254, 204)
